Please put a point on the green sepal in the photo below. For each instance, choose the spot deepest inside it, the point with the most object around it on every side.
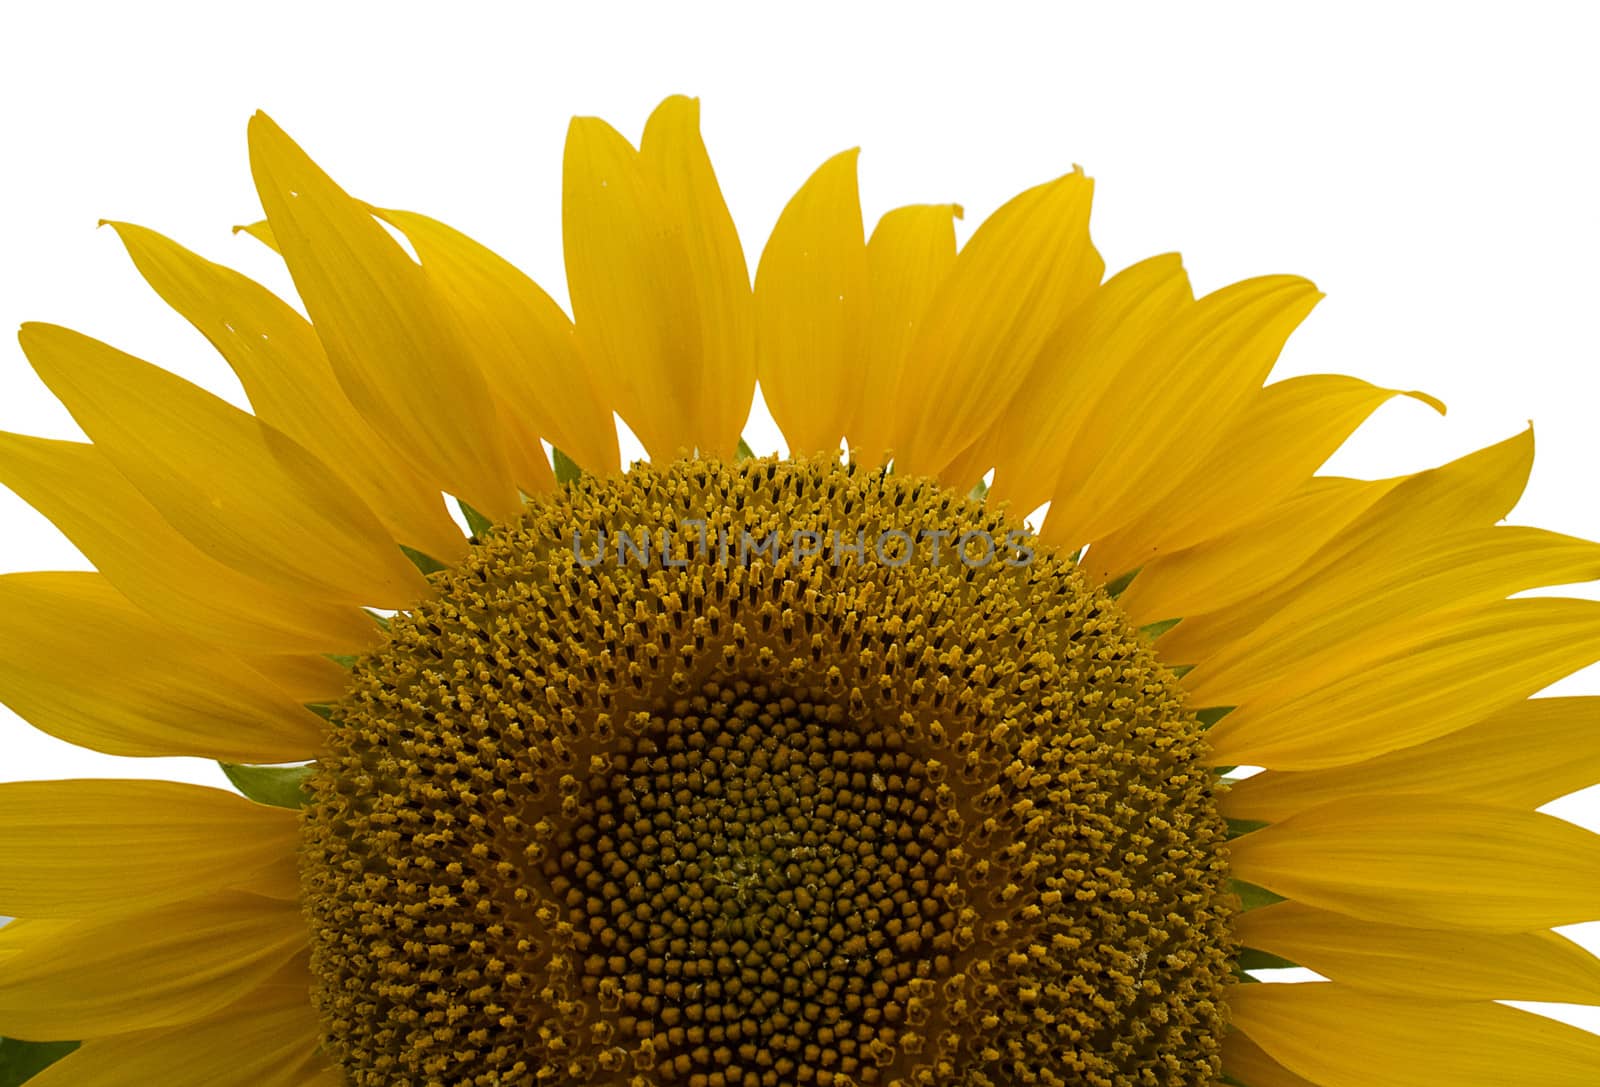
(1180, 670)
(743, 452)
(379, 618)
(567, 470)
(1211, 715)
(1231, 1082)
(343, 660)
(323, 710)
(479, 524)
(980, 491)
(1156, 630)
(426, 563)
(1253, 897)
(1251, 959)
(21, 1061)
(279, 786)
(1116, 586)
(1238, 828)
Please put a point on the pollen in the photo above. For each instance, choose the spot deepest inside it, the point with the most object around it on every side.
(767, 773)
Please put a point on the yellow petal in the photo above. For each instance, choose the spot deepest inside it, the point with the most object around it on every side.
(240, 490)
(1173, 403)
(261, 231)
(20, 933)
(390, 340)
(79, 848)
(1245, 1062)
(911, 251)
(811, 306)
(153, 691)
(1025, 269)
(1473, 491)
(1359, 604)
(1524, 756)
(1059, 403)
(674, 157)
(285, 372)
(1251, 559)
(1338, 1037)
(1426, 963)
(146, 560)
(1429, 862)
(147, 970)
(305, 677)
(241, 1046)
(1420, 683)
(1276, 443)
(522, 342)
(632, 287)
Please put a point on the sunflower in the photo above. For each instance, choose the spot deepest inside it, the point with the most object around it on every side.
(729, 770)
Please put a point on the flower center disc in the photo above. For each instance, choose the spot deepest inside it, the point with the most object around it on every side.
(766, 774)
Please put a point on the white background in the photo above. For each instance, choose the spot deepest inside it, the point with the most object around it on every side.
(1432, 167)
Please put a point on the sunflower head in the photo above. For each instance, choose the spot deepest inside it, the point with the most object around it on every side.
(836, 767)
(857, 815)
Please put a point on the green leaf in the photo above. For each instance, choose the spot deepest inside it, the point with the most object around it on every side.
(1251, 959)
(426, 563)
(21, 1061)
(279, 786)
(567, 470)
(1156, 630)
(1252, 896)
(479, 524)
(744, 452)
(1116, 586)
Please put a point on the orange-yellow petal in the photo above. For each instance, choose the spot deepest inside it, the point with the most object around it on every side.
(1339, 1037)
(811, 305)
(305, 677)
(240, 490)
(673, 156)
(1416, 684)
(1172, 404)
(145, 559)
(285, 372)
(1476, 490)
(1245, 1062)
(81, 848)
(147, 969)
(1425, 963)
(1058, 404)
(390, 339)
(1255, 557)
(1284, 435)
(632, 288)
(1024, 271)
(523, 343)
(1429, 862)
(1524, 756)
(911, 251)
(80, 662)
(245, 1045)
(1370, 600)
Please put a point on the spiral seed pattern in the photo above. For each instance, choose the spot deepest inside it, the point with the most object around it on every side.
(773, 819)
